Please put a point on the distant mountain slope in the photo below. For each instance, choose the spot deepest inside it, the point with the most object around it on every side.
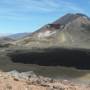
(18, 35)
(5, 39)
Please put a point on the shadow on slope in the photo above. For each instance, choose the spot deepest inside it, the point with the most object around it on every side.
(77, 58)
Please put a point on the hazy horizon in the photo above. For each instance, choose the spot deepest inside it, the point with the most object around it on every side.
(18, 16)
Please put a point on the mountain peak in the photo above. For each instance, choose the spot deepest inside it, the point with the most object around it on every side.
(69, 17)
(81, 14)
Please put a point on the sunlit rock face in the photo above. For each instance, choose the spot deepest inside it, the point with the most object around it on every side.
(47, 33)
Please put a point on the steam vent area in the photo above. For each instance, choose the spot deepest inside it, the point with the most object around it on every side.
(78, 58)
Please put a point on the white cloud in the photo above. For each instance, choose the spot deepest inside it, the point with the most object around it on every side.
(49, 5)
(25, 7)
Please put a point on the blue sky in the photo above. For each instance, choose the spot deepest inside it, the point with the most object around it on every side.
(18, 16)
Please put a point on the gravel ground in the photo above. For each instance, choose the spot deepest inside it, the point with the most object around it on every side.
(29, 81)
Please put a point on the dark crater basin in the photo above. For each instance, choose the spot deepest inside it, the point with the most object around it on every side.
(78, 58)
